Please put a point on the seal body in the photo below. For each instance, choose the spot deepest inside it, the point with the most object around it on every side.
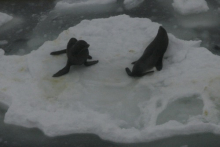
(77, 54)
(152, 56)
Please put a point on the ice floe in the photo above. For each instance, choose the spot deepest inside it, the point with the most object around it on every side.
(182, 98)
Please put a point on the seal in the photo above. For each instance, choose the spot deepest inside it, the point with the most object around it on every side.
(77, 54)
(152, 56)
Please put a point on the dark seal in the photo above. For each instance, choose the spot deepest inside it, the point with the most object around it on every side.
(152, 56)
(77, 54)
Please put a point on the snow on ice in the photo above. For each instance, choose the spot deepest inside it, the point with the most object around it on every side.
(182, 98)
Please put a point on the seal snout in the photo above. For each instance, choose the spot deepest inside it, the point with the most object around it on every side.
(161, 29)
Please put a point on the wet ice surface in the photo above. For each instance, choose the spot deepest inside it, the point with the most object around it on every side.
(184, 27)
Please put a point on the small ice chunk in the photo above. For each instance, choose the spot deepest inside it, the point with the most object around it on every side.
(129, 4)
(205, 20)
(19, 31)
(75, 3)
(63, 4)
(186, 7)
(2, 52)
(4, 18)
(3, 42)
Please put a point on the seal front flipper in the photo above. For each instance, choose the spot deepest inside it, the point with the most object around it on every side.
(159, 64)
(58, 52)
(128, 72)
(134, 62)
(63, 71)
(89, 63)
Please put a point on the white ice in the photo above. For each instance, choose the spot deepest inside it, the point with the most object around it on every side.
(182, 98)
(4, 18)
(186, 7)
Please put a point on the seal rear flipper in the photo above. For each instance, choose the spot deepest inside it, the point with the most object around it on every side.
(159, 64)
(128, 72)
(63, 71)
(58, 52)
(89, 57)
(143, 74)
(89, 63)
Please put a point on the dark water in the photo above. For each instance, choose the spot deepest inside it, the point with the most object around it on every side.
(27, 15)
(37, 22)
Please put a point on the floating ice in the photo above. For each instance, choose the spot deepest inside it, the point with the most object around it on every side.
(3, 42)
(186, 7)
(77, 3)
(183, 98)
(129, 4)
(2, 52)
(207, 20)
(13, 23)
(4, 18)
(65, 4)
